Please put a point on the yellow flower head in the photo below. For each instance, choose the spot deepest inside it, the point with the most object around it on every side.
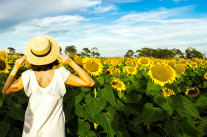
(116, 72)
(118, 85)
(131, 70)
(205, 75)
(166, 92)
(144, 61)
(162, 74)
(193, 65)
(4, 66)
(179, 68)
(192, 92)
(3, 54)
(92, 66)
(78, 60)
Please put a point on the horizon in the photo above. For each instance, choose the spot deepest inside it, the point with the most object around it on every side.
(113, 26)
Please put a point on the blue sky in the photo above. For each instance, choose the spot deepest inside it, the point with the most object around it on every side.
(113, 26)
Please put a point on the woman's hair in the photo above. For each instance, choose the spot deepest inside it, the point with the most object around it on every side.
(44, 67)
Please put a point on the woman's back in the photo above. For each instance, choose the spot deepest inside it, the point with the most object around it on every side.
(44, 77)
(44, 115)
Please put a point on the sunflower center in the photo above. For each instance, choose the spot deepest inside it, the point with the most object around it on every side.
(2, 65)
(92, 66)
(131, 69)
(192, 91)
(161, 73)
(180, 69)
(144, 61)
(119, 85)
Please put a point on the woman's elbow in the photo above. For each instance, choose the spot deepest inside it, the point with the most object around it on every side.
(91, 84)
(4, 92)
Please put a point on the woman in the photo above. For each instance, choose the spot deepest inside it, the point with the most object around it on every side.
(45, 86)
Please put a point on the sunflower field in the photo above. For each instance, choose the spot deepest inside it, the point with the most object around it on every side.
(132, 97)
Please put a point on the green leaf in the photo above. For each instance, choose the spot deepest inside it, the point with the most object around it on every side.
(88, 134)
(100, 80)
(188, 127)
(14, 133)
(17, 113)
(86, 89)
(94, 105)
(205, 84)
(185, 107)
(152, 114)
(132, 98)
(107, 94)
(83, 127)
(109, 121)
(154, 134)
(4, 128)
(203, 126)
(172, 128)
(202, 100)
(79, 97)
(165, 103)
(1, 100)
(153, 89)
(79, 110)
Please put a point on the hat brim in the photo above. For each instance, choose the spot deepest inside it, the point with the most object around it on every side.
(32, 59)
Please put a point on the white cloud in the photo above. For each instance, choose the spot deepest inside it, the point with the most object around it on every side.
(103, 9)
(154, 29)
(13, 12)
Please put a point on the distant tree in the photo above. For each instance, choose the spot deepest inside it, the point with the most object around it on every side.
(146, 52)
(60, 50)
(85, 53)
(129, 53)
(11, 50)
(94, 52)
(177, 53)
(71, 50)
(193, 53)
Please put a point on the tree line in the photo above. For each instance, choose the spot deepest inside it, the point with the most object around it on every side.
(143, 52)
(86, 52)
(165, 53)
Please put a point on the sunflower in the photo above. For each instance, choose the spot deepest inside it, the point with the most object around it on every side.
(114, 62)
(180, 69)
(4, 66)
(162, 74)
(166, 92)
(171, 62)
(144, 61)
(108, 71)
(92, 66)
(192, 92)
(131, 70)
(118, 85)
(78, 59)
(205, 75)
(111, 68)
(127, 62)
(3, 54)
(193, 65)
(116, 72)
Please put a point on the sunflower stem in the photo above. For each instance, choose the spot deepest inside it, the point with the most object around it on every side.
(95, 92)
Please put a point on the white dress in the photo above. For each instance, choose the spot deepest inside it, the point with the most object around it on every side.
(44, 116)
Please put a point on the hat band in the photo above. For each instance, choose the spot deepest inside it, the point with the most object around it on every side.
(43, 55)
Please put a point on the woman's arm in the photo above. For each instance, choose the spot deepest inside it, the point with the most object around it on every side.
(11, 86)
(83, 80)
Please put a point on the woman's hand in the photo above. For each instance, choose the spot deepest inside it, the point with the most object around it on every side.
(64, 59)
(20, 62)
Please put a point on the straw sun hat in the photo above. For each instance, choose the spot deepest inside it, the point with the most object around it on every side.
(41, 50)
